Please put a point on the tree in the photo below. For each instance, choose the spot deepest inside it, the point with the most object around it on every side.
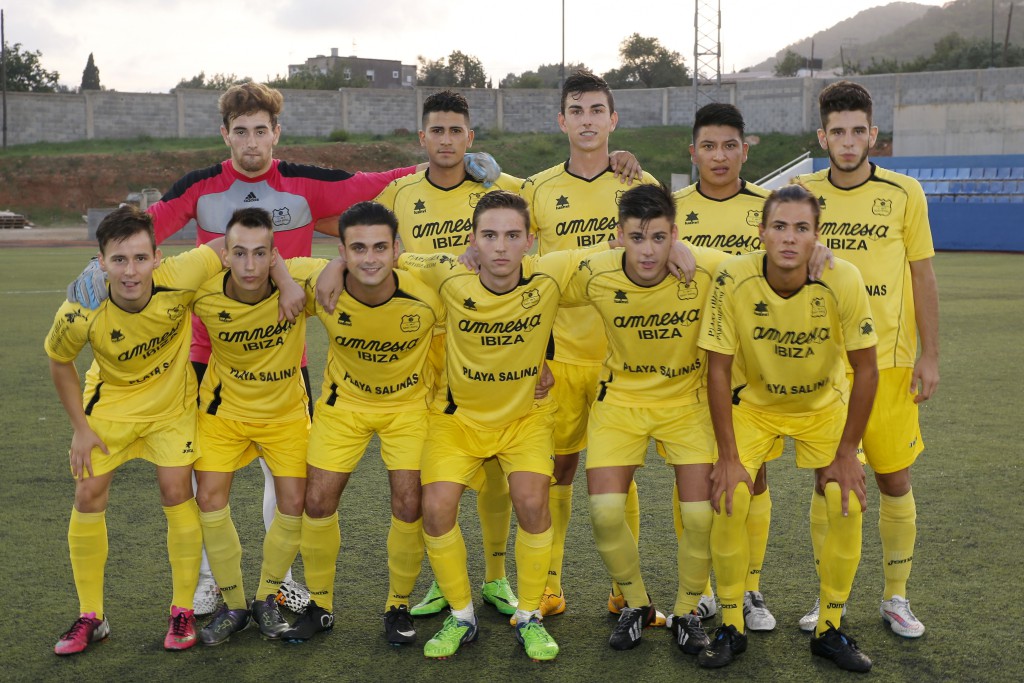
(460, 71)
(215, 82)
(546, 76)
(646, 63)
(91, 76)
(789, 65)
(25, 73)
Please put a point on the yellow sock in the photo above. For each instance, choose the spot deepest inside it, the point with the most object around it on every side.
(447, 555)
(224, 551)
(280, 546)
(560, 504)
(759, 519)
(533, 557)
(321, 542)
(840, 556)
(494, 507)
(819, 527)
(677, 521)
(693, 558)
(87, 541)
(184, 550)
(897, 524)
(730, 551)
(405, 555)
(617, 546)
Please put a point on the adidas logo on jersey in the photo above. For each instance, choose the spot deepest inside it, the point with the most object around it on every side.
(251, 197)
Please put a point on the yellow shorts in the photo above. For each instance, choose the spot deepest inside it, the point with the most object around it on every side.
(574, 391)
(165, 443)
(455, 451)
(224, 445)
(759, 433)
(339, 438)
(619, 436)
(892, 439)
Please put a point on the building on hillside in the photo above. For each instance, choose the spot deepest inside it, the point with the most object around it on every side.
(377, 73)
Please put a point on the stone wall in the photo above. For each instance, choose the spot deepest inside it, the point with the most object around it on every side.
(786, 105)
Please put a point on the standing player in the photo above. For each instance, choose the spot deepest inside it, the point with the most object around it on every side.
(790, 334)
(434, 208)
(498, 327)
(380, 332)
(139, 402)
(652, 386)
(573, 205)
(251, 395)
(878, 220)
(722, 211)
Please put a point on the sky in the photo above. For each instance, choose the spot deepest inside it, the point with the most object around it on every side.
(149, 47)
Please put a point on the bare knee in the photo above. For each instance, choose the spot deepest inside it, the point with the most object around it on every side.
(894, 484)
(565, 468)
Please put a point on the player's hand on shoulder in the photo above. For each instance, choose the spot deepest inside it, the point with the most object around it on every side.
(482, 167)
(89, 289)
(820, 257)
(470, 259)
(681, 262)
(330, 284)
(625, 166)
(291, 301)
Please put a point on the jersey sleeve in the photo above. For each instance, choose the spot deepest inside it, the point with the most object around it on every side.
(719, 333)
(917, 231)
(431, 269)
(305, 271)
(360, 187)
(188, 270)
(855, 312)
(69, 333)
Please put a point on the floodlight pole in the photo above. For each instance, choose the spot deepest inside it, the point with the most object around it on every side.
(3, 73)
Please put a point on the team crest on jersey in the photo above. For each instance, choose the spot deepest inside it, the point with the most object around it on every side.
(70, 317)
(754, 217)
(882, 207)
(531, 298)
(419, 207)
(116, 336)
(867, 326)
(410, 323)
(818, 307)
(761, 309)
(282, 217)
(620, 297)
(618, 196)
(474, 197)
(686, 292)
(176, 312)
(691, 218)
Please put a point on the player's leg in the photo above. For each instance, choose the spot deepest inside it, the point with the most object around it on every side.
(494, 508)
(184, 551)
(693, 557)
(756, 614)
(706, 607)
(88, 546)
(892, 443)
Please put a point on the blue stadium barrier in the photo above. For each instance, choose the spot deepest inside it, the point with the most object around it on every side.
(974, 202)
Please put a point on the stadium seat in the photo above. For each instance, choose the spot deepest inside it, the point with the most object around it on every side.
(1001, 198)
(962, 198)
(990, 173)
(1017, 172)
(924, 174)
(963, 173)
(929, 187)
(900, 170)
(977, 173)
(1017, 198)
(1003, 173)
(941, 186)
(946, 198)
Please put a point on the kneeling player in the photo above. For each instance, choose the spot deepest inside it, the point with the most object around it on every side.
(790, 334)
(252, 393)
(649, 315)
(374, 383)
(146, 409)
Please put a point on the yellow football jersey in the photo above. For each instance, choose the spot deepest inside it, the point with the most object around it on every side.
(140, 369)
(494, 343)
(570, 212)
(793, 349)
(880, 226)
(729, 225)
(653, 359)
(254, 373)
(433, 219)
(376, 355)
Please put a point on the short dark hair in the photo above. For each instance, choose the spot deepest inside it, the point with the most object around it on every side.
(843, 96)
(581, 82)
(252, 217)
(446, 100)
(501, 199)
(250, 98)
(717, 114)
(122, 223)
(795, 193)
(647, 202)
(367, 213)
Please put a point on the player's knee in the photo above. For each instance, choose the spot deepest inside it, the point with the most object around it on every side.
(406, 507)
(606, 512)
(894, 484)
(211, 500)
(565, 468)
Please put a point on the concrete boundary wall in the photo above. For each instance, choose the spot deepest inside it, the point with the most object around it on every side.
(784, 105)
(959, 128)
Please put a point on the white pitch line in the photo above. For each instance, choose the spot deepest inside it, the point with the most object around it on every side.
(34, 291)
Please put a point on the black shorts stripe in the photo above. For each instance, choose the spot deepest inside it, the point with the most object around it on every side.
(451, 407)
(215, 403)
(334, 395)
(94, 399)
